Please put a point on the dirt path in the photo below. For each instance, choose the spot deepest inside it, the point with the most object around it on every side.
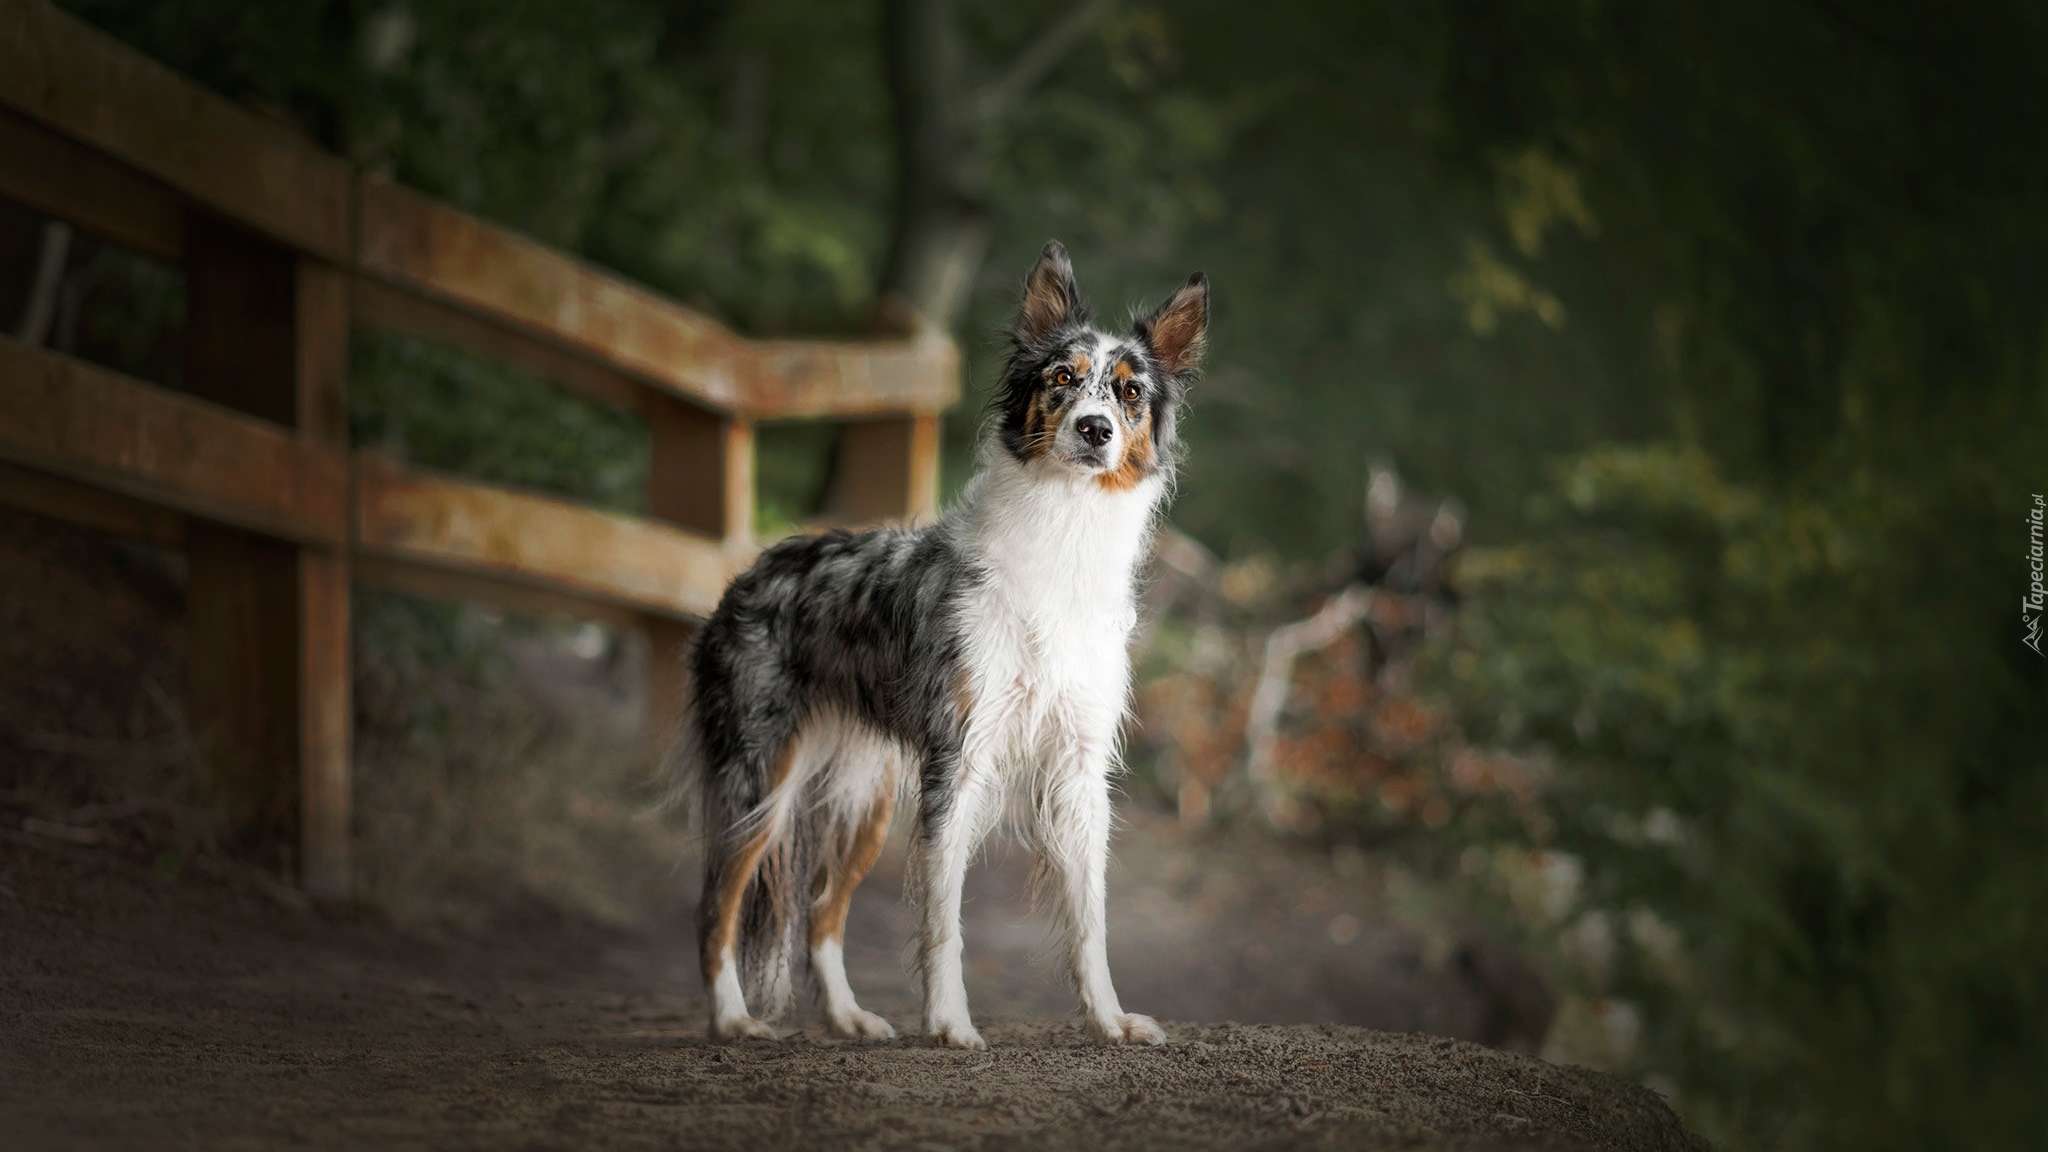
(138, 1011)
(204, 1007)
(1210, 926)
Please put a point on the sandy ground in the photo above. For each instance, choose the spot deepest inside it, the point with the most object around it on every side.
(218, 1010)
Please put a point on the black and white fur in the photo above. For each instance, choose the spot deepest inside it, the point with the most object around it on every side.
(973, 663)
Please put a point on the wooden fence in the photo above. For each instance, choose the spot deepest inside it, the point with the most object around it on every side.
(286, 251)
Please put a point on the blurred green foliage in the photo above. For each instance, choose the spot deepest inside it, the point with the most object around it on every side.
(1726, 321)
(1816, 834)
(439, 407)
(1772, 657)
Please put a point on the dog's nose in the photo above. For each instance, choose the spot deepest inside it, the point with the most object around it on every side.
(1094, 429)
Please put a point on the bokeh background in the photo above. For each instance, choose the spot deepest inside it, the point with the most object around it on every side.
(1603, 530)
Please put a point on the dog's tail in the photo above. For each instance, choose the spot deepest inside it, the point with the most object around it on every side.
(775, 920)
(761, 850)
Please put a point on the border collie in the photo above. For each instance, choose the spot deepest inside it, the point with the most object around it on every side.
(978, 666)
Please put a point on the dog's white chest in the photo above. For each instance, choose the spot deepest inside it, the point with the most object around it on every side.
(1046, 632)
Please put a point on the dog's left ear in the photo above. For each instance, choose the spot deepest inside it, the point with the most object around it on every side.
(1177, 333)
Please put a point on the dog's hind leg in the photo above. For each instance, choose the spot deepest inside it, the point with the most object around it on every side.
(843, 873)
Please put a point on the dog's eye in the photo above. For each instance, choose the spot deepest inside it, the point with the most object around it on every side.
(1062, 378)
(1131, 392)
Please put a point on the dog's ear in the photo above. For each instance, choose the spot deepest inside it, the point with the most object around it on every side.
(1177, 333)
(1050, 297)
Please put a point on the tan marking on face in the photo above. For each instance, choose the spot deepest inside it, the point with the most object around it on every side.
(733, 880)
(1038, 426)
(1124, 372)
(1137, 461)
(1082, 366)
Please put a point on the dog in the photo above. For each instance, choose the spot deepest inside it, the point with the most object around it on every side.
(976, 666)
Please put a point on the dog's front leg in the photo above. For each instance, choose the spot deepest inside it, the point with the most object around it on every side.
(952, 817)
(1073, 822)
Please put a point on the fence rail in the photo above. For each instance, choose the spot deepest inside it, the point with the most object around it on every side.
(287, 250)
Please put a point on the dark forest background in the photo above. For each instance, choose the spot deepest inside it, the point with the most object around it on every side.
(1726, 325)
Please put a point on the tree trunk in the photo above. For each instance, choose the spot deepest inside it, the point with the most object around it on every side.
(948, 129)
(940, 231)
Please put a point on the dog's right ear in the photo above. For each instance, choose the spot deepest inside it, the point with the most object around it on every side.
(1050, 297)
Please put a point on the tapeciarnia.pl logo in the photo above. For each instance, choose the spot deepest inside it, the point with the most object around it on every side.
(2037, 597)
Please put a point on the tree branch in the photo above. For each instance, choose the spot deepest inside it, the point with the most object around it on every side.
(40, 311)
(1038, 59)
(1339, 615)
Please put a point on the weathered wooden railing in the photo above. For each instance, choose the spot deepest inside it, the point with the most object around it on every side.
(249, 471)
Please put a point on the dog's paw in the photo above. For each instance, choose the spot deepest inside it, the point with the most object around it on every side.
(954, 1034)
(1129, 1028)
(861, 1024)
(741, 1028)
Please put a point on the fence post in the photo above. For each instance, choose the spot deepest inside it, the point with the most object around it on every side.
(266, 334)
(326, 715)
(700, 477)
(887, 469)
